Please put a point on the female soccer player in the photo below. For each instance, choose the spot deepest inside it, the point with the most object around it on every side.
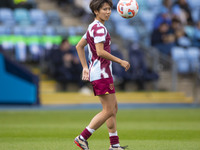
(99, 73)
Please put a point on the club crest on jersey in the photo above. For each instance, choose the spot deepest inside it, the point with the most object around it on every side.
(111, 86)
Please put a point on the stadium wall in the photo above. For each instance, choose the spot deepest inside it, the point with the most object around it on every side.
(17, 84)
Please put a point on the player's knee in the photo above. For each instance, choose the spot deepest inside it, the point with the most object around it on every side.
(114, 111)
(111, 112)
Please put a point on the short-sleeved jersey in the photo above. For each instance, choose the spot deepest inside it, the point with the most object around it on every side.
(99, 67)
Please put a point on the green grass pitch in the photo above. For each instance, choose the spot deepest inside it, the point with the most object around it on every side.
(140, 129)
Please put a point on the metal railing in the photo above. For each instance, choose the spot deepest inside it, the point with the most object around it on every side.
(157, 57)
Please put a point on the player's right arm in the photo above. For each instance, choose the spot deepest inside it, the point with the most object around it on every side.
(81, 53)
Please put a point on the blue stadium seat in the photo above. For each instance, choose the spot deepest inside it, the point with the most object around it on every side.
(61, 30)
(6, 16)
(180, 58)
(194, 3)
(148, 17)
(49, 30)
(193, 54)
(18, 30)
(22, 16)
(75, 30)
(189, 30)
(154, 3)
(32, 30)
(178, 53)
(80, 30)
(27, 30)
(127, 32)
(5, 30)
(143, 5)
(72, 30)
(196, 14)
(53, 17)
(38, 17)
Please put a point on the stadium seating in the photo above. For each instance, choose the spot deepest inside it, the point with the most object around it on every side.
(18, 30)
(29, 31)
(22, 16)
(5, 30)
(61, 30)
(23, 23)
(6, 16)
(196, 14)
(49, 30)
(32, 30)
(77, 30)
(127, 32)
(144, 4)
(147, 17)
(53, 17)
(154, 4)
(193, 54)
(194, 3)
(38, 17)
(178, 53)
(179, 56)
(186, 60)
(189, 30)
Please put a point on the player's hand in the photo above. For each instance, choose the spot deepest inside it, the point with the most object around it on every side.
(125, 64)
(85, 74)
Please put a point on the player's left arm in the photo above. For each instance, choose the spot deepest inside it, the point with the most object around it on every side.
(104, 54)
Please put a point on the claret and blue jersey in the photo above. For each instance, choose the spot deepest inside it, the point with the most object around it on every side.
(99, 67)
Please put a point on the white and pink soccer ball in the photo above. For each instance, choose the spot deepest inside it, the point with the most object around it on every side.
(127, 8)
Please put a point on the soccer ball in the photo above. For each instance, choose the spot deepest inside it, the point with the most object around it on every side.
(127, 8)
